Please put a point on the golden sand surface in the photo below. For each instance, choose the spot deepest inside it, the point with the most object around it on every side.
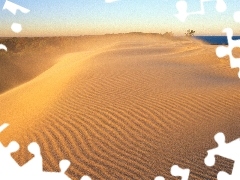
(126, 107)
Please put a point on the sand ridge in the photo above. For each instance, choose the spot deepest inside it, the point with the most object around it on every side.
(128, 110)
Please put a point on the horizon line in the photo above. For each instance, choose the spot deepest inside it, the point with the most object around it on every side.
(108, 34)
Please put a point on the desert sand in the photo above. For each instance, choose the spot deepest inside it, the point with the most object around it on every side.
(124, 107)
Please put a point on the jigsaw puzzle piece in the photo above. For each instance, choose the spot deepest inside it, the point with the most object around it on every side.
(221, 6)
(177, 171)
(227, 150)
(222, 51)
(34, 165)
(5, 125)
(7, 163)
(236, 16)
(2, 46)
(157, 178)
(12, 7)
(53, 175)
(88, 178)
(223, 176)
(64, 165)
(28, 174)
(182, 7)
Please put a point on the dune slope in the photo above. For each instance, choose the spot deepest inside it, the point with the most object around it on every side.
(128, 110)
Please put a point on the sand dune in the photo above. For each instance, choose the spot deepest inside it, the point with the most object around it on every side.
(129, 108)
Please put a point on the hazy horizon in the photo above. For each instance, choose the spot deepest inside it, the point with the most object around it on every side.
(76, 18)
(108, 34)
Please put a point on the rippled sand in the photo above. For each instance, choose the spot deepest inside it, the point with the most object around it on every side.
(127, 108)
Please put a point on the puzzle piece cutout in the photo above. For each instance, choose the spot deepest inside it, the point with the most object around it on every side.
(3, 126)
(85, 178)
(159, 178)
(110, 1)
(177, 171)
(227, 150)
(222, 51)
(182, 8)
(7, 164)
(236, 16)
(13, 8)
(16, 27)
(35, 165)
(2, 46)
(33, 169)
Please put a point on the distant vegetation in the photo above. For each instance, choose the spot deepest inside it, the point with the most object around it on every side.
(168, 34)
(190, 33)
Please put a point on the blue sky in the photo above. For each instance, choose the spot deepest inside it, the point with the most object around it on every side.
(81, 17)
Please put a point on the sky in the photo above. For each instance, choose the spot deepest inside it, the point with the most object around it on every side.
(88, 17)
